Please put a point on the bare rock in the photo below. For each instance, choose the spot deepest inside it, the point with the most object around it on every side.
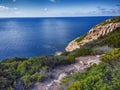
(72, 46)
(92, 35)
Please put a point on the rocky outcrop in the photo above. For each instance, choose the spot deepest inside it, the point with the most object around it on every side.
(92, 35)
(72, 46)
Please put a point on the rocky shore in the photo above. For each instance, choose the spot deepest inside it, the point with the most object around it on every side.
(92, 35)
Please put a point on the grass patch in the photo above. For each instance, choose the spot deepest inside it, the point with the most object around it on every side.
(80, 38)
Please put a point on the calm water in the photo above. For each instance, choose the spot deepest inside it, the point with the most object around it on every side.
(28, 37)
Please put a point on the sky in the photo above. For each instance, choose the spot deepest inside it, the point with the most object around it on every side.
(59, 8)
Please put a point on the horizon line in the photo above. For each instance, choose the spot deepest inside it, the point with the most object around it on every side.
(60, 16)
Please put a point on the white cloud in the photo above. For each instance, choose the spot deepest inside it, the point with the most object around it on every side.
(3, 8)
(8, 11)
(58, 12)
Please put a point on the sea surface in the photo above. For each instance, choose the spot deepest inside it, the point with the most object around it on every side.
(30, 37)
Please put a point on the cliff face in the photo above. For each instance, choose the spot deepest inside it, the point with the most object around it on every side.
(73, 45)
(93, 34)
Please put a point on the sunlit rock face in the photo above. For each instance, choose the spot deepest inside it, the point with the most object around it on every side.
(92, 35)
(72, 46)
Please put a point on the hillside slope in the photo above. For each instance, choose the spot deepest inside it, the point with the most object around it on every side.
(105, 76)
(96, 32)
(95, 65)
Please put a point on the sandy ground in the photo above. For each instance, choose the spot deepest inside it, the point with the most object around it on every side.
(62, 71)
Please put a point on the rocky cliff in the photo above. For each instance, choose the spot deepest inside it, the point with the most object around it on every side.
(99, 30)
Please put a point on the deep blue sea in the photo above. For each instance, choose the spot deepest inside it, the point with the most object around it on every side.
(29, 37)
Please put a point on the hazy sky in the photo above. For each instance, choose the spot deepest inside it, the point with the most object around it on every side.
(59, 8)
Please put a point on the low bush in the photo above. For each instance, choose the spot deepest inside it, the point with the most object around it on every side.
(27, 70)
(111, 56)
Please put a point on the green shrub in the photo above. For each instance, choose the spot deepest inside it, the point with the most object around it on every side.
(97, 77)
(75, 86)
(64, 53)
(112, 39)
(80, 52)
(37, 77)
(110, 56)
(27, 70)
(26, 79)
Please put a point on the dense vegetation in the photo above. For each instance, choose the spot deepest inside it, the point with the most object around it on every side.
(100, 77)
(111, 56)
(22, 73)
(112, 39)
(80, 52)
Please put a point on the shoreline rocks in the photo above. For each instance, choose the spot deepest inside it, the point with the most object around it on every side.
(92, 35)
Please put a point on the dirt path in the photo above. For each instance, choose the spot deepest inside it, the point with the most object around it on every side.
(60, 72)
